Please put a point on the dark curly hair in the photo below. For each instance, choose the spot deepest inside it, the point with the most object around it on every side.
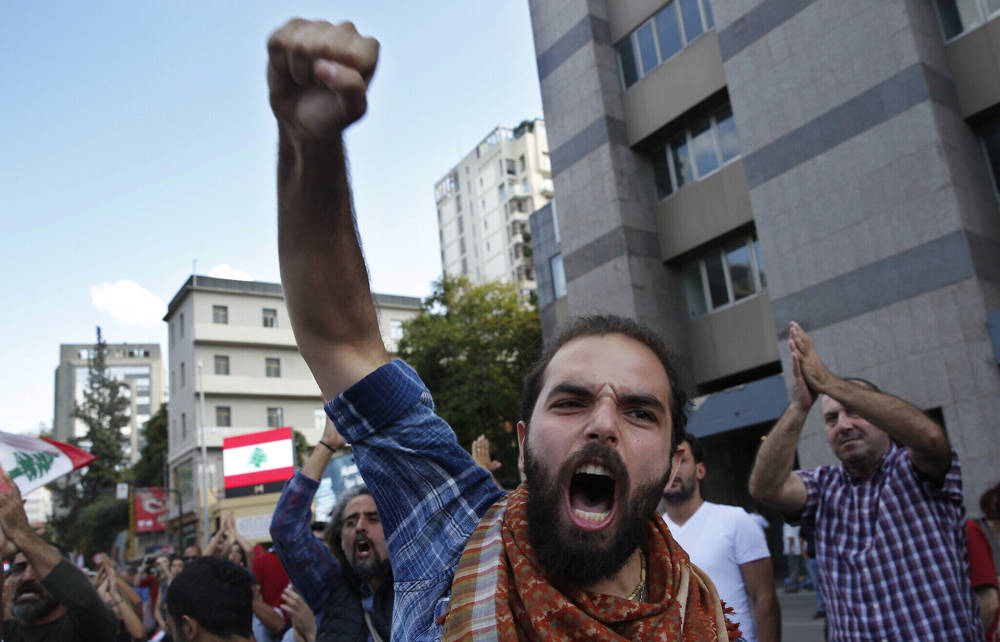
(602, 325)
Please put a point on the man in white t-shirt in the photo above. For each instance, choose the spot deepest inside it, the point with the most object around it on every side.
(726, 543)
(793, 555)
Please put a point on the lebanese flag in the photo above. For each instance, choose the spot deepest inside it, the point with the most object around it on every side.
(35, 461)
(258, 458)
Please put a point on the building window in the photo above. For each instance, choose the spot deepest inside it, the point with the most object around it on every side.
(458, 202)
(558, 276)
(269, 317)
(395, 329)
(220, 314)
(184, 426)
(223, 416)
(692, 155)
(511, 170)
(520, 163)
(724, 274)
(182, 374)
(461, 225)
(990, 133)
(275, 418)
(272, 367)
(461, 245)
(221, 364)
(662, 36)
(465, 266)
(181, 326)
(961, 16)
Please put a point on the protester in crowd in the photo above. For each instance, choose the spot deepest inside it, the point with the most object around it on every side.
(304, 625)
(173, 565)
(269, 623)
(581, 537)
(888, 521)
(989, 503)
(983, 575)
(210, 600)
(228, 542)
(192, 553)
(792, 548)
(810, 558)
(349, 579)
(51, 600)
(726, 543)
(123, 600)
(270, 574)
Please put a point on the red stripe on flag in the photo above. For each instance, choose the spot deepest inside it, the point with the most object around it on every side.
(262, 477)
(257, 438)
(78, 456)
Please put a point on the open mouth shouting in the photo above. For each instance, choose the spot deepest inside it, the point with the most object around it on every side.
(594, 489)
(363, 550)
(28, 591)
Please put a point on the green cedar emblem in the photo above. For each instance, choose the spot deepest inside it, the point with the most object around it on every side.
(257, 458)
(32, 465)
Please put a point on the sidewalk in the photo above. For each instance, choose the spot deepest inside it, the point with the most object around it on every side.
(797, 610)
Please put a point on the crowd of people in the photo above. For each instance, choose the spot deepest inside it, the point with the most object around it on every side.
(432, 548)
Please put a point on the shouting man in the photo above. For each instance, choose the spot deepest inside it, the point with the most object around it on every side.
(578, 550)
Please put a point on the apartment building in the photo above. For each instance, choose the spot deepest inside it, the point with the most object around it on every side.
(484, 204)
(234, 369)
(722, 168)
(137, 365)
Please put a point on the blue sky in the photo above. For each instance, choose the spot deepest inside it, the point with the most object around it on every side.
(137, 139)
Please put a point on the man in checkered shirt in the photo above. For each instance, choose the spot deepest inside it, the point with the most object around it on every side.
(889, 520)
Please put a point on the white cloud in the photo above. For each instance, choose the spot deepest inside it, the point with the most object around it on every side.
(226, 271)
(128, 302)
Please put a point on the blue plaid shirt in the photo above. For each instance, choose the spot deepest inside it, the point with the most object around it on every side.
(429, 492)
(891, 552)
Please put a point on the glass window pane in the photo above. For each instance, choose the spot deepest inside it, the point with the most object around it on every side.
(760, 264)
(709, 18)
(740, 270)
(691, 16)
(682, 161)
(647, 48)
(558, 277)
(728, 141)
(957, 16)
(703, 148)
(693, 291)
(669, 31)
(627, 59)
(661, 174)
(716, 279)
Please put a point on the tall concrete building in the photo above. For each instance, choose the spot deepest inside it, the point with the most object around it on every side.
(484, 204)
(722, 168)
(137, 365)
(232, 340)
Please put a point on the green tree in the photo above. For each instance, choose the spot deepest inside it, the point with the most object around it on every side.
(472, 345)
(104, 411)
(148, 470)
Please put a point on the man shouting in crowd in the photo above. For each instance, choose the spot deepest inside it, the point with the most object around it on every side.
(578, 551)
(51, 599)
(889, 521)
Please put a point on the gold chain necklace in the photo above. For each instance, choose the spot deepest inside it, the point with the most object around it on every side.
(639, 592)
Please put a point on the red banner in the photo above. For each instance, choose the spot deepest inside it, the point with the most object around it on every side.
(151, 509)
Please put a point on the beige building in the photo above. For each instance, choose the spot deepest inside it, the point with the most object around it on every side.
(137, 365)
(232, 342)
(722, 168)
(484, 204)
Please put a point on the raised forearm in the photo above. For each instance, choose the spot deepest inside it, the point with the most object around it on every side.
(772, 479)
(322, 267)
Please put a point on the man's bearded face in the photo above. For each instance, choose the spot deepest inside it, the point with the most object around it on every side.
(567, 552)
(30, 601)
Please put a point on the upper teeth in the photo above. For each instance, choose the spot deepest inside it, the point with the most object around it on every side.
(593, 469)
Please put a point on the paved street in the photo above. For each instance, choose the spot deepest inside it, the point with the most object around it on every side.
(797, 610)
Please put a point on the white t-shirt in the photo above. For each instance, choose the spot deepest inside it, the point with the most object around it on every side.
(718, 539)
(790, 539)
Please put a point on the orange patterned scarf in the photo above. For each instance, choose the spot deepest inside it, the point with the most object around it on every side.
(499, 592)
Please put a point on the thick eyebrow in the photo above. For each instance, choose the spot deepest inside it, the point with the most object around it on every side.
(352, 516)
(638, 399)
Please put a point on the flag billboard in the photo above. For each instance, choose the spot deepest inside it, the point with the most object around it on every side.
(257, 463)
(35, 461)
(151, 509)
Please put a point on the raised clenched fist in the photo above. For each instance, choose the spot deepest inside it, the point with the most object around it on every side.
(318, 74)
